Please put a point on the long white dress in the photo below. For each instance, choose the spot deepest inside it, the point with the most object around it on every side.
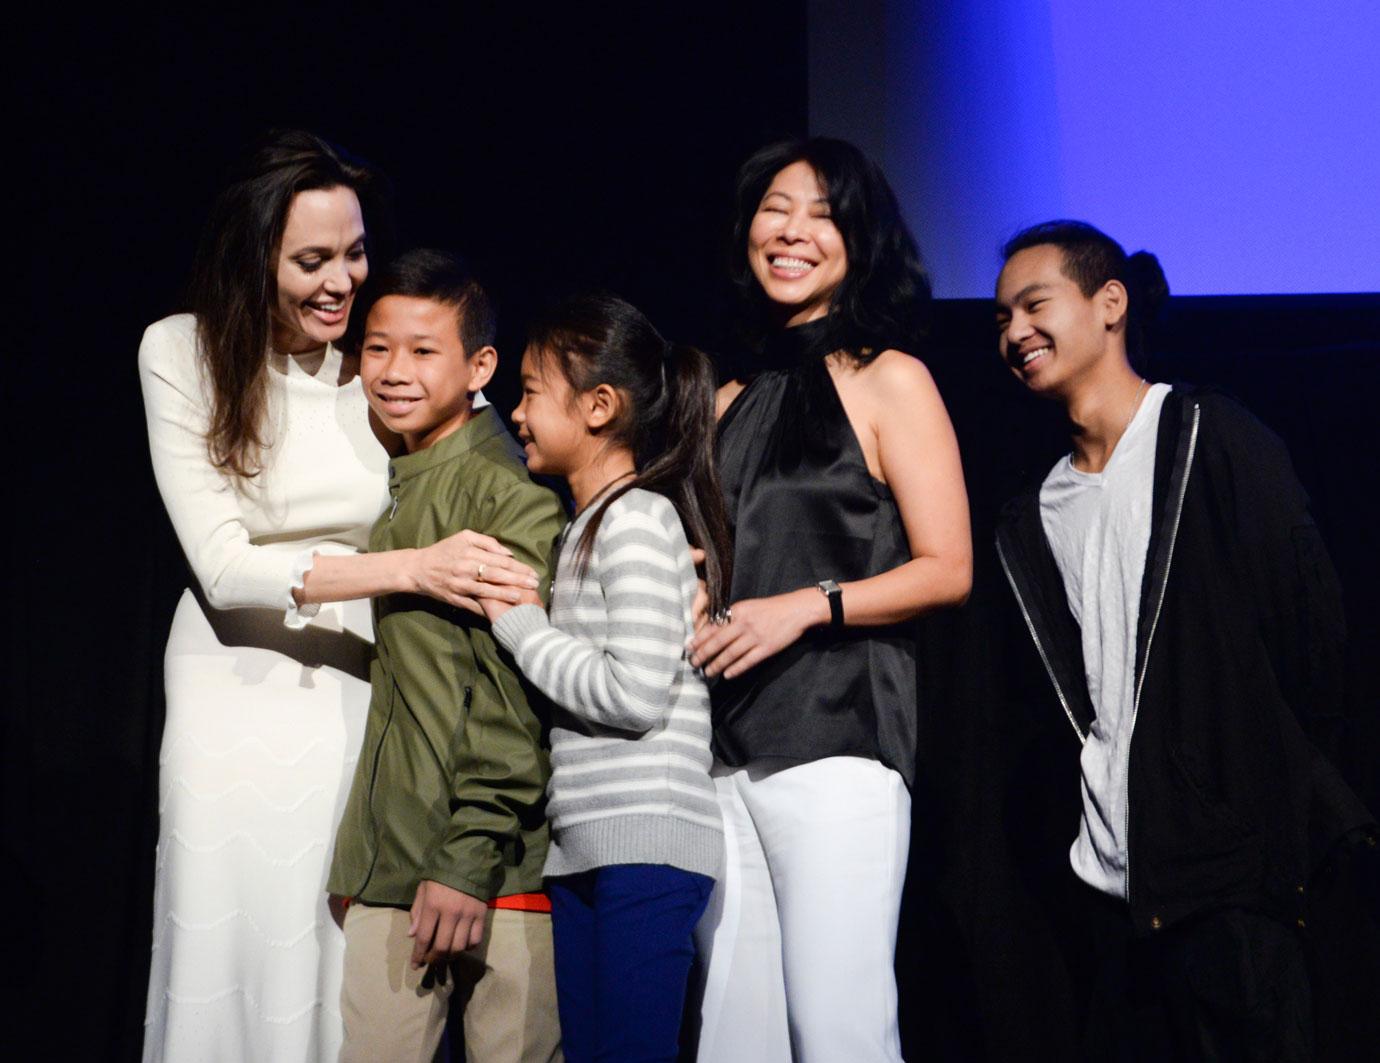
(265, 712)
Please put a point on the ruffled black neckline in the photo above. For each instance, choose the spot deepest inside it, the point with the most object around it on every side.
(796, 346)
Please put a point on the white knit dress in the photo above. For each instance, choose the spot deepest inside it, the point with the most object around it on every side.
(265, 712)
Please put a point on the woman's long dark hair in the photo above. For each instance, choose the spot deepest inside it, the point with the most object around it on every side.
(884, 298)
(233, 281)
(667, 422)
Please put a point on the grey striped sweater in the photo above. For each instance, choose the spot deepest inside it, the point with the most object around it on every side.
(630, 750)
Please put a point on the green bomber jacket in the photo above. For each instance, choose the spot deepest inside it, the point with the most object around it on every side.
(450, 784)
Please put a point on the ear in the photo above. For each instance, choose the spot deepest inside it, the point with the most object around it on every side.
(601, 406)
(1113, 302)
(483, 362)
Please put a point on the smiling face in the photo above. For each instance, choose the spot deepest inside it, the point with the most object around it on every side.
(417, 376)
(321, 264)
(793, 247)
(549, 422)
(1052, 335)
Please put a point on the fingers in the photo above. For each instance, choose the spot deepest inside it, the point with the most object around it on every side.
(469, 932)
(423, 933)
(495, 568)
(444, 938)
(699, 609)
(484, 542)
(723, 662)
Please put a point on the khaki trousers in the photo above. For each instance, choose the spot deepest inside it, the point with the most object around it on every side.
(507, 984)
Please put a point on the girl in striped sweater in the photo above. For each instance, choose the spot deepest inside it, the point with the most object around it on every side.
(628, 420)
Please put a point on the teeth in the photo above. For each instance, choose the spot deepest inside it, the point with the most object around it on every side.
(1034, 354)
(783, 262)
(329, 308)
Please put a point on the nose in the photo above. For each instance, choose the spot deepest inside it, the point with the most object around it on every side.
(336, 277)
(520, 413)
(396, 367)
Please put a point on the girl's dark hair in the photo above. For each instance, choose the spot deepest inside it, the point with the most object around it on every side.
(1091, 258)
(233, 281)
(884, 298)
(667, 421)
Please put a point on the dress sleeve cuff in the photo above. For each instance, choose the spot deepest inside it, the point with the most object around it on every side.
(297, 616)
(514, 626)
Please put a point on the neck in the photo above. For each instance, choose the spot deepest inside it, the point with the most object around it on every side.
(606, 467)
(1101, 409)
(415, 441)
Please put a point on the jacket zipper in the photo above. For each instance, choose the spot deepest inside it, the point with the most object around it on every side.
(1150, 639)
(1039, 646)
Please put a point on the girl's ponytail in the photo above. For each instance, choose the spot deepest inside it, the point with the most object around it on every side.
(684, 470)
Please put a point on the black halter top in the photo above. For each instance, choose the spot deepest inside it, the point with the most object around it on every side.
(803, 507)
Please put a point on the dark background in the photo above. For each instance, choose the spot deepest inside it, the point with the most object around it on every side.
(558, 151)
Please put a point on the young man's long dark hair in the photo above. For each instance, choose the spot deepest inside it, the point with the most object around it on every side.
(233, 281)
(884, 298)
(667, 423)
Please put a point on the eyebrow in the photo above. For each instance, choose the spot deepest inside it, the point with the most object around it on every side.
(786, 195)
(1029, 289)
(415, 337)
(325, 252)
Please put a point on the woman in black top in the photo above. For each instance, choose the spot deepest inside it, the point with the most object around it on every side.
(843, 484)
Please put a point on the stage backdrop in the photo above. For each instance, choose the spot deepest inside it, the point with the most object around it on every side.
(1238, 139)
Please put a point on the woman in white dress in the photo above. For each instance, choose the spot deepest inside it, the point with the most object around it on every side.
(266, 460)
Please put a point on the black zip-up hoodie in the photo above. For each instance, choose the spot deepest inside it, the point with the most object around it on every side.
(1238, 671)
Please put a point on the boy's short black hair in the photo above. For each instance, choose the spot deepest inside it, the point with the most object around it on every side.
(425, 273)
(1091, 258)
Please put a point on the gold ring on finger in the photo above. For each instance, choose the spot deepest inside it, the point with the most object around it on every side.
(479, 572)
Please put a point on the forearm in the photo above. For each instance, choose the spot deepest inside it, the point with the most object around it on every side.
(338, 578)
(583, 679)
(902, 593)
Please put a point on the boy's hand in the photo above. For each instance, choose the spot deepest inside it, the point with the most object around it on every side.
(469, 567)
(495, 607)
(445, 922)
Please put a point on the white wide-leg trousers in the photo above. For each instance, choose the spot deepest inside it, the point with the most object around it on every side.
(799, 940)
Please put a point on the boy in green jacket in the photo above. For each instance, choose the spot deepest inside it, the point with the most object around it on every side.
(442, 842)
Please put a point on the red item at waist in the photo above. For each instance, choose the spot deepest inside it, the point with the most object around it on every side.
(523, 902)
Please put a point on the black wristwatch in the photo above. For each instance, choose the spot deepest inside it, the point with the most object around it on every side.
(831, 590)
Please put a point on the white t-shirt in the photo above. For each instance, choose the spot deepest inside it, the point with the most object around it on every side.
(1098, 526)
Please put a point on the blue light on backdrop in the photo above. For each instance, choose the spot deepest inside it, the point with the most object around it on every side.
(1238, 139)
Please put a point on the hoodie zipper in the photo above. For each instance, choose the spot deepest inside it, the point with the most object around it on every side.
(1039, 646)
(1150, 639)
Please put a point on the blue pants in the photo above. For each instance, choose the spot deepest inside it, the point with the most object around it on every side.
(624, 942)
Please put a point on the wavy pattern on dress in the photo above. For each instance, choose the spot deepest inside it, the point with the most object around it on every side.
(239, 913)
(253, 740)
(234, 990)
(176, 836)
(244, 784)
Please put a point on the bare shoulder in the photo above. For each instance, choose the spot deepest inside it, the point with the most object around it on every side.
(895, 378)
(724, 397)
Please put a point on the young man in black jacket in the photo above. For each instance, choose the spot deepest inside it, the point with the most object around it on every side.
(1182, 603)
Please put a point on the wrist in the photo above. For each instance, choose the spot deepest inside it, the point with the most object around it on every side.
(406, 574)
(815, 606)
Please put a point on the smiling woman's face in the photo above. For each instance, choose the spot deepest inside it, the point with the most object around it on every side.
(321, 264)
(793, 247)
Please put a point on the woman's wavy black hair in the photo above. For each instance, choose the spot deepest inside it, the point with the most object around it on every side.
(884, 298)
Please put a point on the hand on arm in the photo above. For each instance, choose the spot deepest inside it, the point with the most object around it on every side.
(448, 571)
(445, 922)
(910, 420)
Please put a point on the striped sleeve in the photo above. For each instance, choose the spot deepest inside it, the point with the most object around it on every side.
(626, 682)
